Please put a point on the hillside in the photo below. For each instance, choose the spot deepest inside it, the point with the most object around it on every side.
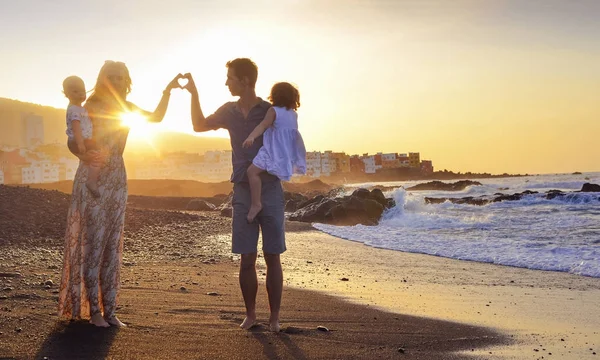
(54, 131)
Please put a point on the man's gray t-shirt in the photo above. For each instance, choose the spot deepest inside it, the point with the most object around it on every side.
(231, 118)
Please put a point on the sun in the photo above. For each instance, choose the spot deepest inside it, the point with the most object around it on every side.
(139, 127)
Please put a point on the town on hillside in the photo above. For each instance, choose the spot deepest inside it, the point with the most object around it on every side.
(33, 161)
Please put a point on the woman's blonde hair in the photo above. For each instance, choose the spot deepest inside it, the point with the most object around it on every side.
(103, 88)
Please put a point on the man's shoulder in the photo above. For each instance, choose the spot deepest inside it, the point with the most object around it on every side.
(227, 106)
(265, 104)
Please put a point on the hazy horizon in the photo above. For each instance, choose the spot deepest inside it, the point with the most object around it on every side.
(494, 86)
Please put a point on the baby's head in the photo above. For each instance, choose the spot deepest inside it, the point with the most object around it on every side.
(74, 89)
(285, 95)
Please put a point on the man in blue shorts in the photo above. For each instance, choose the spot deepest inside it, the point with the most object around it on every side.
(240, 118)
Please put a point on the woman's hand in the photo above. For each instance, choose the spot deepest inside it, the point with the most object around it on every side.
(94, 156)
(248, 142)
(174, 83)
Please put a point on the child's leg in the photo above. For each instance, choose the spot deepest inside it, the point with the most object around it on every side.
(92, 180)
(255, 191)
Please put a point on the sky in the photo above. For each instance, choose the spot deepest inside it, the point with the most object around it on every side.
(474, 85)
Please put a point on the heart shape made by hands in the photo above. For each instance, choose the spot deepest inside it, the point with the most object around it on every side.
(183, 82)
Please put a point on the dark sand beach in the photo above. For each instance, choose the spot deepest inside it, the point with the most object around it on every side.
(181, 300)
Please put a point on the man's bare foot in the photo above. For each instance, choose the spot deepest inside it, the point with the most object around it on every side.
(99, 321)
(248, 322)
(274, 326)
(93, 188)
(115, 322)
(254, 210)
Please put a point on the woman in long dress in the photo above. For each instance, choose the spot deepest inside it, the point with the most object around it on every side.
(94, 236)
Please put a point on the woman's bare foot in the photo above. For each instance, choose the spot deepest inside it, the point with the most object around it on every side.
(254, 210)
(93, 188)
(115, 322)
(99, 321)
(248, 322)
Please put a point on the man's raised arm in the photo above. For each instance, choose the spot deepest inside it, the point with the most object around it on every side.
(198, 119)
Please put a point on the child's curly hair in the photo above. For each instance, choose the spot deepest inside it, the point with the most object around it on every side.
(285, 95)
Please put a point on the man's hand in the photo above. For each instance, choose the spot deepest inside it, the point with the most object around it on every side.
(191, 85)
(248, 142)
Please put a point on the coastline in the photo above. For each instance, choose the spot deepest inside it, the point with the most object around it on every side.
(546, 312)
(180, 298)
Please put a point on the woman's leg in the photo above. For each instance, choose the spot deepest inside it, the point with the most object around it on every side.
(110, 274)
(92, 251)
(255, 191)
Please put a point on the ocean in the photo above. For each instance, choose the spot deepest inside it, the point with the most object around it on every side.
(562, 234)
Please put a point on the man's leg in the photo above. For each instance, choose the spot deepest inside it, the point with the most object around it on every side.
(272, 222)
(249, 286)
(244, 241)
(274, 288)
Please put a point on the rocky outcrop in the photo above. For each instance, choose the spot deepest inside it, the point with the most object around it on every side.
(549, 195)
(200, 205)
(442, 186)
(587, 187)
(362, 207)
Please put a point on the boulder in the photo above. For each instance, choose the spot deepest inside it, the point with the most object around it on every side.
(200, 205)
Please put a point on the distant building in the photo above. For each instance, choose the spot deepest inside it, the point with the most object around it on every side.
(40, 172)
(11, 164)
(67, 167)
(328, 163)
(369, 161)
(356, 164)
(403, 160)
(313, 164)
(213, 166)
(414, 159)
(342, 162)
(32, 130)
(378, 161)
(390, 161)
(426, 167)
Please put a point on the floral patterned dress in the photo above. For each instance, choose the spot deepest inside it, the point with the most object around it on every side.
(94, 237)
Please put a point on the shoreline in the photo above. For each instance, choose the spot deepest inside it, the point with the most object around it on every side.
(429, 307)
(180, 298)
(558, 312)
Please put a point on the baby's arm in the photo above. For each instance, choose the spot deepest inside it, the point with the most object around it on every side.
(260, 128)
(78, 135)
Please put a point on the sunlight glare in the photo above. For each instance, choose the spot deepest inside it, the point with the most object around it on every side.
(139, 127)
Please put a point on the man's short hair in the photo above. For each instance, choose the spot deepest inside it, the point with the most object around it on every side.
(244, 68)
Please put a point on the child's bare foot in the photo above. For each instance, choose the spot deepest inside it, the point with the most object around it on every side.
(93, 188)
(248, 322)
(99, 321)
(254, 210)
(115, 322)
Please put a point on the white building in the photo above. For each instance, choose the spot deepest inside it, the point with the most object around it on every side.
(215, 167)
(388, 157)
(207, 171)
(1, 176)
(40, 172)
(68, 168)
(32, 130)
(313, 164)
(328, 164)
(154, 170)
(369, 164)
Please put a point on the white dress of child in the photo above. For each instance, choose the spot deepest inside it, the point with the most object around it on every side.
(283, 153)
